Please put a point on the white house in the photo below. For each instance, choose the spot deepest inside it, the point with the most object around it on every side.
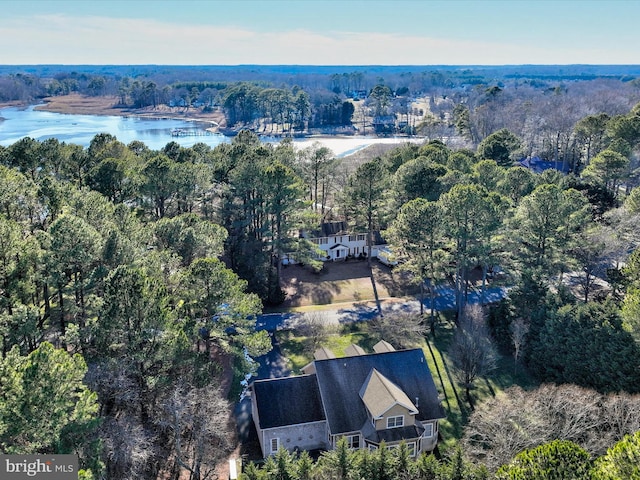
(337, 243)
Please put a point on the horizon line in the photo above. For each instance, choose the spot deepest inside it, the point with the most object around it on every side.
(414, 65)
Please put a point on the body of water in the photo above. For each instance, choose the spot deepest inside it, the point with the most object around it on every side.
(17, 123)
(80, 129)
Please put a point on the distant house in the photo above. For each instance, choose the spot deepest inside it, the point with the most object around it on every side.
(537, 165)
(384, 124)
(389, 397)
(178, 102)
(359, 95)
(337, 243)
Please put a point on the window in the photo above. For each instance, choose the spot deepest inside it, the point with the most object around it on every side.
(411, 447)
(337, 253)
(353, 441)
(428, 430)
(362, 237)
(352, 238)
(275, 444)
(323, 241)
(393, 422)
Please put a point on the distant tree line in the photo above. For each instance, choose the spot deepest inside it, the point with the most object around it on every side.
(542, 107)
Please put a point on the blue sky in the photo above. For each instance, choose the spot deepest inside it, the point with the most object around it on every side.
(328, 32)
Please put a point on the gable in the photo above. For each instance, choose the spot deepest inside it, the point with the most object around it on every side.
(340, 381)
(288, 401)
(380, 394)
(323, 353)
(353, 350)
(383, 346)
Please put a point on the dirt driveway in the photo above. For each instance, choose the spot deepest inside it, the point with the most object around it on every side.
(340, 282)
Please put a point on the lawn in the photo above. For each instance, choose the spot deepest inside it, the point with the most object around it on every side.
(296, 350)
(342, 282)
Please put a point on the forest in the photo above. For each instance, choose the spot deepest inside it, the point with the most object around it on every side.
(131, 278)
(539, 104)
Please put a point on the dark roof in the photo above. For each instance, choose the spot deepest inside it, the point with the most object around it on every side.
(332, 228)
(378, 239)
(537, 165)
(391, 434)
(288, 401)
(340, 380)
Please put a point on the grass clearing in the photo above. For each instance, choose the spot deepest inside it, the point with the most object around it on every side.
(451, 428)
(296, 350)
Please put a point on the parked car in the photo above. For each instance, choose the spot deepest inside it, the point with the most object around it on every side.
(387, 257)
(289, 260)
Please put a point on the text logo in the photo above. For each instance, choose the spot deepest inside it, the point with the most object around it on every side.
(45, 467)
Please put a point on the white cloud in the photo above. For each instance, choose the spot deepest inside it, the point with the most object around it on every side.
(102, 40)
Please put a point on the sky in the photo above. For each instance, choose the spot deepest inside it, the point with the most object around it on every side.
(312, 32)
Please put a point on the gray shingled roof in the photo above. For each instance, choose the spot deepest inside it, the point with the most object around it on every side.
(288, 401)
(340, 380)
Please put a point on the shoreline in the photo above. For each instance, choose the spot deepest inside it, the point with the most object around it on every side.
(339, 143)
(75, 104)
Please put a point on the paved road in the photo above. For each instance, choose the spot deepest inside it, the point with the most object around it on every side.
(445, 300)
(272, 364)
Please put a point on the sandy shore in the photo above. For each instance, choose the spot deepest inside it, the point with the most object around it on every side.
(83, 105)
(345, 145)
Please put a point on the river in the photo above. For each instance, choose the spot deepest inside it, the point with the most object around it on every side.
(17, 123)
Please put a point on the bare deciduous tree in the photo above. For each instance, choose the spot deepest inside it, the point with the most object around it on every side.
(128, 448)
(316, 327)
(400, 329)
(196, 421)
(517, 420)
(472, 351)
(519, 329)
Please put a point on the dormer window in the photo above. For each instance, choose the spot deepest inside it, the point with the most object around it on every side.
(395, 422)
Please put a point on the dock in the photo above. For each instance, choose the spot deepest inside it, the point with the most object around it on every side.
(191, 132)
